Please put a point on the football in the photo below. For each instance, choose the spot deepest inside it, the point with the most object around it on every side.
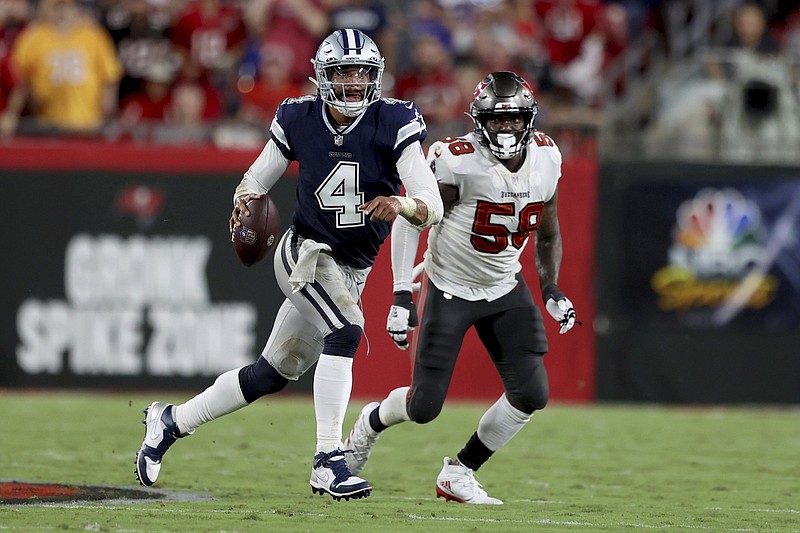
(259, 232)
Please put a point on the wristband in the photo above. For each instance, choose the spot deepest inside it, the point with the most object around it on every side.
(403, 298)
(552, 291)
(408, 207)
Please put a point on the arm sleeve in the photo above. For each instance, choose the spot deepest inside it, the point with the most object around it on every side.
(264, 172)
(420, 183)
(405, 241)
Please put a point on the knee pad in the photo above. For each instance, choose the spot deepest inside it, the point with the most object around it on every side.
(424, 405)
(260, 379)
(343, 342)
(533, 398)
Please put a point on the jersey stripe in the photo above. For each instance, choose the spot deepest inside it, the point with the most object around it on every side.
(412, 128)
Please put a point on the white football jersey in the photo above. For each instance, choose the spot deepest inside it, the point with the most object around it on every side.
(474, 252)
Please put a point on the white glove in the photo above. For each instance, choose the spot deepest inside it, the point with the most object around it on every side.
(559, 306)
(402, 318)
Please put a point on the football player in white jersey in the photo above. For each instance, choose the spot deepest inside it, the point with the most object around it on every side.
(499, 184)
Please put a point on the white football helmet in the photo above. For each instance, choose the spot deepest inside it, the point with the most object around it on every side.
(340, 50)
(503, 93)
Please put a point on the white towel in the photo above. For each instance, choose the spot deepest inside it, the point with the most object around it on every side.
(306, 265)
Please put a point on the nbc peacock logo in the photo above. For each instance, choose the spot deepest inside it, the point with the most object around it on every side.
(717, 243)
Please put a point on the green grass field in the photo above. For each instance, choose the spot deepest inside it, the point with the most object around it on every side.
(574, 468)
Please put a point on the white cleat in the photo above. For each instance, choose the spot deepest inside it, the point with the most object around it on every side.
(330, 475)
(160, 433)
(361, 440)
(457, 483)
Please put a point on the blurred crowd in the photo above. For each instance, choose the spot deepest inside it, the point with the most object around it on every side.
(214, 71)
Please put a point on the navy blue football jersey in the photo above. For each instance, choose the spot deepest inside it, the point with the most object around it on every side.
(340, 170)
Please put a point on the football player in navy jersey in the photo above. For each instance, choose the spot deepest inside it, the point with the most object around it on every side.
(354, 150)
(499, 184)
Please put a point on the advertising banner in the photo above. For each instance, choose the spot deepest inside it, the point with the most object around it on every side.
(722, 257)
(115, 280)
(700, 297)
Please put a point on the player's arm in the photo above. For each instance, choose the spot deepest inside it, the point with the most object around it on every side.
(265, 171)
(548, 244)
(548, 253)
(403, 312)
(422, 205)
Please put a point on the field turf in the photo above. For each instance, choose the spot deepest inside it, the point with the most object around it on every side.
(573, 468)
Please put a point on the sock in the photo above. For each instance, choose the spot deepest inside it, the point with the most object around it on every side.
(222, 397)
(497, 427)
(333, 382)
(393, 410)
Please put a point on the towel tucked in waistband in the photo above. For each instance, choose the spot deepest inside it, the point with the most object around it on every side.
(306, 265)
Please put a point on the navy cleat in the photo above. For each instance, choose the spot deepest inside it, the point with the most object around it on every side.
(331, 475)
(160, 433)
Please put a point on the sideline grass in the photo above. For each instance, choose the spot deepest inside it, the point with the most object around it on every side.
(574, 468)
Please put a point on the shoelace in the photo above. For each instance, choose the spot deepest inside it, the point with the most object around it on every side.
(471, 480)
(339, 468)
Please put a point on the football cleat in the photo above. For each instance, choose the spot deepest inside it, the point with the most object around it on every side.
(161, 432)
(361, 440)
(331, 475)
(457, 483)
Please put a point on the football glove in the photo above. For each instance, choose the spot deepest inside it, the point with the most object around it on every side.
(402, 318)
(559, 307)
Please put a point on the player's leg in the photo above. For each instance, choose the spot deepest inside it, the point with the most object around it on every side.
(293, 347)
(516, 342)
(328, 301)
(444, 323)
(513, 334)
(232, 390)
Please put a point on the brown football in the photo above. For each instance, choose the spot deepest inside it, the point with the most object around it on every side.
(259, 232)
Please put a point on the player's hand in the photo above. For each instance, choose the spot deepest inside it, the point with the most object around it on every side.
(240, 210)
(383, 208)
(559, 307)
(402, 318)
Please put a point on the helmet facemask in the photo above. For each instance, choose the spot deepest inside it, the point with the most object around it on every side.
(504, 96)
(348, 63)
(506, 142)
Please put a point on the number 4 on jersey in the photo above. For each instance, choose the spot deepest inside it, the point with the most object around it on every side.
(339, 192)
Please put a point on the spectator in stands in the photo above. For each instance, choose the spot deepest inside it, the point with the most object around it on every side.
(140, 37)
(142, 110)
(184, 120)
(291, 28)
(742, 109)
(14, 16)
(273, 83)
(369, 16)
(420, 17)
(751, 35)
(67, 69)
(498, 41)
(573, 59)
(210, 37)
(431, 84)
(759, 115)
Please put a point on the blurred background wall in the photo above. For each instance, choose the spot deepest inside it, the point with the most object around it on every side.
(126, 125)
